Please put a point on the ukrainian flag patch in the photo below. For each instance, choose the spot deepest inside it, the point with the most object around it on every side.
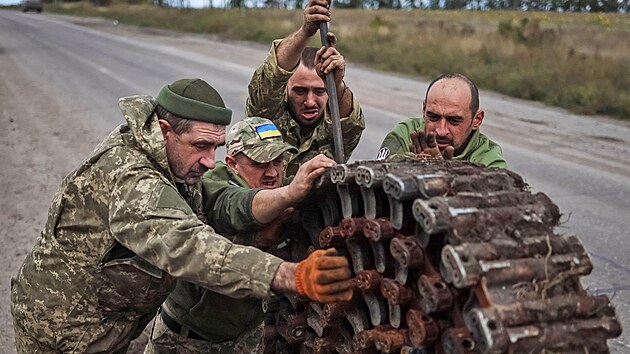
(266, 131)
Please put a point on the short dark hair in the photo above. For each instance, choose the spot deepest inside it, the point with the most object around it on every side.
(474, 91)
(308, 57)
(180, 125)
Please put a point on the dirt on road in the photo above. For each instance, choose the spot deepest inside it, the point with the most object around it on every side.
(41, 141)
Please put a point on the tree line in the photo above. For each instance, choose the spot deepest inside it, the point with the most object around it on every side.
(526, 5)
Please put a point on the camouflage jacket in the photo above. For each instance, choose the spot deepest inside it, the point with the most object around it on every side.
(118, 231)
(268, 99)
(479, 148)
(227, 201)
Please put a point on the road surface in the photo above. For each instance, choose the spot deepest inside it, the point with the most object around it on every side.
(60, 79)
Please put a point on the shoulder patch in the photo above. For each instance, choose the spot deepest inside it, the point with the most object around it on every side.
(383, 153)
(171, 199)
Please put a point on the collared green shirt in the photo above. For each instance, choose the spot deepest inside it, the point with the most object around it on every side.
(268, 99)
(227, 204)
(479, 149)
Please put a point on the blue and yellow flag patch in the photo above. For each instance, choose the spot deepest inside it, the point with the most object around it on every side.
(266, 131)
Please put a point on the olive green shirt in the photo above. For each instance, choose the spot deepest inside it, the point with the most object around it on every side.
(268, 99)
(479, 148)
(227, 203)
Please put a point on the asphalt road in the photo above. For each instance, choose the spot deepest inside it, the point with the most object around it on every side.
(60, 79)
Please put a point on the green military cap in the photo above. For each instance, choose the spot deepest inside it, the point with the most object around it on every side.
(194, 99)
(257, 138)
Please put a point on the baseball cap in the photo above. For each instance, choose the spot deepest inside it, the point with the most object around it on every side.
(258, 138)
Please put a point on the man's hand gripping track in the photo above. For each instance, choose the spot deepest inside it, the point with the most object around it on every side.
(424, 144)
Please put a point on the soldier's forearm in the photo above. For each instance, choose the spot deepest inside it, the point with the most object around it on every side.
(344, 97)
(267, 205)
(290, 50)
(284, 280)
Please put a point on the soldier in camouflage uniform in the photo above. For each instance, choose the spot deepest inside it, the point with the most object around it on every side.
(198, 320)
(449, 128)
(287, 89)
(126, 223)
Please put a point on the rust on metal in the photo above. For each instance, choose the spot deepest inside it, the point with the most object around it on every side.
(484, 271)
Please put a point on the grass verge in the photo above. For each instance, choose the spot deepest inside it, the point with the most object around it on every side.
(578, 61)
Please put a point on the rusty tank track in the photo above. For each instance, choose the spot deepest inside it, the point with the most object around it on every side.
(448, 257)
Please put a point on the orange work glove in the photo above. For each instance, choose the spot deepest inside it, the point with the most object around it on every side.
(324, 277)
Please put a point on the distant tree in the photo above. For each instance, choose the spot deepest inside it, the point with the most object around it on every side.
(351, 4)
(277, 4)
(528, 5)
(455, 4)
(476, 5)
(411, 4)
(101, 2)
(603, 5)
(536, 5)
(356, 4)
(434, 4)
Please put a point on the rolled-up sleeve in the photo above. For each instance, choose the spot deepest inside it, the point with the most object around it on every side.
(228, 208)
(352, 127)
(267, 89)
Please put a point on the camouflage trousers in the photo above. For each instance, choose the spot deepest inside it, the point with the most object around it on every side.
(164, 341)
(26, 344)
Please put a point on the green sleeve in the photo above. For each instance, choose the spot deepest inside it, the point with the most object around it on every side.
(397, 141)
(482, 150)
(228, 207)
(494, 157)
(149, 217)
(498, 164)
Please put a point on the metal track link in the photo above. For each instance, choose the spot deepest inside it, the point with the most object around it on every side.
(449, 257)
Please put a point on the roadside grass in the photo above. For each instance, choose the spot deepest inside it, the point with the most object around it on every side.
(579, 61)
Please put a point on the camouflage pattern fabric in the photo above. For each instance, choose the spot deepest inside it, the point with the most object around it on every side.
(257, 138)
(227, 202)
(165, 341)
(479, 148)
(268, 98)
(119, 231)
